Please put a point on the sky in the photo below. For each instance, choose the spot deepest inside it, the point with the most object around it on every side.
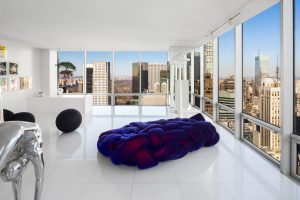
(98, 56)
(123, 60)
(297, 38)
(262, 33)
(226, 54)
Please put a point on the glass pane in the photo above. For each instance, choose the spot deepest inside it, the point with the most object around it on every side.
(266, 140)
(102, 110)
(227, 119)
(297, 65)
(151, 100)
(208, 107)
(226, 69)
(127, 72)
(154, 72)
(298, 160)
(126, 110)
(70, 71)
(188, 71)
(154, 111)
(126, 100)
(208, 70)
(197, 101)
(101, 100)
(261, 76)
(98, 72)
(197, 72)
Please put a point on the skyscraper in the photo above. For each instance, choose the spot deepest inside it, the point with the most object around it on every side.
(89, 78)
(208, 57)
(156, 74)
(261, 71)
(101, 83)
(136, 77)
(269, 107)
(208, 76)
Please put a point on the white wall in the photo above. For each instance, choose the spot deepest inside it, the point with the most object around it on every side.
(29, 65)
(49, 72)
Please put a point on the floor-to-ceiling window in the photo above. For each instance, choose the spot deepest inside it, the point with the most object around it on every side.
(226, 97)
(208, 78)
(127, 78)
(189, 72)
(297, 79)
(98, 77)
(70, 66)
(154, 78)
(261, 81)
(115, 78)
(197, 78)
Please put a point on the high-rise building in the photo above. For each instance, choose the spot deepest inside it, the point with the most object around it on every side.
(208, 57)
(156, 74)
(261, 71)
(208, 76)
(89, 78)
(136, 77)
(208, 92)
(269, 108)
(101, 83)
(164, 88)
(227, 98)
(227, 84)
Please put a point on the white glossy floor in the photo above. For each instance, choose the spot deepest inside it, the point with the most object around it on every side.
(75, 171)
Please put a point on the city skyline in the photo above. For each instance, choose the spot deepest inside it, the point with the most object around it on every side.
(261, 36)
(123, 59)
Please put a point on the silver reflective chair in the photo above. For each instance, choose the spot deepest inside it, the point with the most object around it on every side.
(21, 143)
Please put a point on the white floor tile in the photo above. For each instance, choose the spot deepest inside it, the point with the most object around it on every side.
(62, 191)
(74, 171)
(106, 172)
(205, 191)
(158, 191)
(163, 173)
(107, 192)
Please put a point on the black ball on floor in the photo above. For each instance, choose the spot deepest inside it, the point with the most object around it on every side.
(68, 120)
(22, 116)
(7, 114)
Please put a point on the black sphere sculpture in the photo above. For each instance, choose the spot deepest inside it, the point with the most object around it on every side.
(68, 120)
(22, 116)
(7, 114)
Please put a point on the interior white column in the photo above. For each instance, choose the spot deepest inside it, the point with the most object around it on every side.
(113, 80)
(49, 75)
(201, 78)
(238, 85)
(172, 81)
(215, 78)
(286, 85)
(192, 77)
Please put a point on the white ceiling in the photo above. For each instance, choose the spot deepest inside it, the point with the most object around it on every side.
(113, 24)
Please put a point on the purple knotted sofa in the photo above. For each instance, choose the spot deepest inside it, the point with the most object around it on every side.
(145, 144)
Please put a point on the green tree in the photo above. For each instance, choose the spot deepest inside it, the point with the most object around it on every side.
(68, 67)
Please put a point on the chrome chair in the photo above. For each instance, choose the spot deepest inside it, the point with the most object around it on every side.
(21, 143)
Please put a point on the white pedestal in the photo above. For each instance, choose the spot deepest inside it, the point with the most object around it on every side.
(82, 103)
(182, 96)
